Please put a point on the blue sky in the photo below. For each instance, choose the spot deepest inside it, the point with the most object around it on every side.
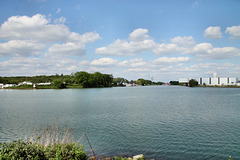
(162, 40)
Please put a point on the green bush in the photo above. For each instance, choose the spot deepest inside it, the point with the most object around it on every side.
(28, 150)
(193, 83)
(46, 144)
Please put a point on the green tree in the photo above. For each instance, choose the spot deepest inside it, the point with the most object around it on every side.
(144, 82)
(192, 83)
(58, 83)
(174, 83)
(141, 81)
(83, 78)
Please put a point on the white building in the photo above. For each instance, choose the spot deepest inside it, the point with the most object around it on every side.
(25, 83)
(212, 81)
(48, 83)
(218, 81)
(8, 85)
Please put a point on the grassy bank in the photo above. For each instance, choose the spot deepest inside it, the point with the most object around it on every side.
(48, 143)
(43, 87)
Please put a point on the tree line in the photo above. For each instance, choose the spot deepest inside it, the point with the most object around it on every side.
(79, 79)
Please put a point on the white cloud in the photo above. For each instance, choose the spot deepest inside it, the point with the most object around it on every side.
(234, 31)
(66, 49)
(139, 35)
(60, 20)
(186, 41)
(21, 48)
(104, 62)
(171, 60)
(29, 35)
(84, 38)
(177, 45)
(187, 45)
(37, 66)
(206, 50)
(58, 10)
(163, 49)
(203, 66)
(237, 69)
(38, 28)
(139, 43)
(213, 32)
(136, 62)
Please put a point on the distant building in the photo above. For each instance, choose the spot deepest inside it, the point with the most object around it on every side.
(166, 84)
(48, 83)
(25, 83)
(213, 81)
(132, 84)
(8, 85)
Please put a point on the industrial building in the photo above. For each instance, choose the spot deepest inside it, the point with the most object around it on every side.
(214, 81)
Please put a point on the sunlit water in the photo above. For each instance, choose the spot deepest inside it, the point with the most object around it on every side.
(161, 122)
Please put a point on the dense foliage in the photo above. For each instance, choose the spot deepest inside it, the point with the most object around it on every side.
(174, 83)
(145, 82)
(193, 83)
(78, 80)
(29, 150)
(88, 80)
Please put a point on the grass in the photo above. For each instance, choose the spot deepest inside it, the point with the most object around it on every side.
(47, 143)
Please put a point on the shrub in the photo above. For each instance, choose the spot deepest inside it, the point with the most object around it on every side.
(47, 144)
(193, 83)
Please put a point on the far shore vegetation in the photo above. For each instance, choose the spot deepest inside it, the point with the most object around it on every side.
(84, 79)
(80, 79)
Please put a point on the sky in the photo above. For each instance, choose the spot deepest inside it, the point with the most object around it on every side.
(159, 40)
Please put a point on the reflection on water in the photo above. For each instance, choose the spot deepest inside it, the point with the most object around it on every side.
(162, 122)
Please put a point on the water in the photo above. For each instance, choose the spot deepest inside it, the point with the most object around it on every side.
(161, 122)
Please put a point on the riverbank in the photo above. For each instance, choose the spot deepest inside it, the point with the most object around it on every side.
(43, 87)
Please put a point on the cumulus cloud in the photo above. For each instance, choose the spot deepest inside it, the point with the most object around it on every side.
(21, 48)
(136, 62)
(234, 31)
(187, 45)
(38, 28)
(37, 66)
(139, 42)
(139, 35)
(186, 41)
(60, 20)
(104, 62)
(171, 60)
(177, 45)
(66, 49)
(213, 32)
(163, 49)
(206, 50)
(28, 36)
(58, 10)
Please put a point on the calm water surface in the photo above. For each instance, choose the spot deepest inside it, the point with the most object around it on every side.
(161, 122)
